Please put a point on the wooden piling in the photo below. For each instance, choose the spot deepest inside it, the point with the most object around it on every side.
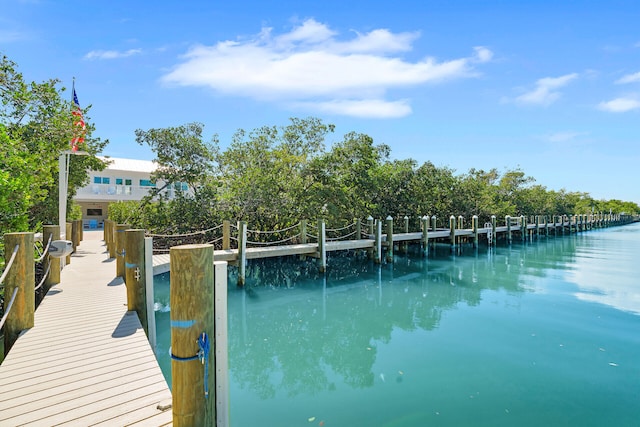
(192, 314)
(433, 223)
(51, 232)
(425, 234)
(135, 274)
(452, 231)
(242, 252)
(76, 228)
(507, 220)
(377, 253)
(322, 245)
(474, 222)
(389, 257)
(303, 236)
(523, 227)
(120, 250)
(226, 235)
(111, 235)
(22, 276)
(68, 232)
(493, 229)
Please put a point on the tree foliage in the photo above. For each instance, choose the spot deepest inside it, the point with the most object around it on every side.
(272, 177)
(35, 127)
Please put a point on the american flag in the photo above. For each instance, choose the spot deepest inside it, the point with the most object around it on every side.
(79, 127)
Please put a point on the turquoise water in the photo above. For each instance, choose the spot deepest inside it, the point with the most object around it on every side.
(541, 333)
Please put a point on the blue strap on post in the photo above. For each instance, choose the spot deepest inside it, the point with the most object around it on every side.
(204, 348)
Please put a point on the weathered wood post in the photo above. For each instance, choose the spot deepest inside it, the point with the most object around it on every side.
(105, 233)
(358, 230)
(242, 252)
(51, 232)
(523, 227)
(377, 252)
(135, 275)
(370, 232)
(389, 239)
(546, 226)
(493, 229)
(120, 251)
(537, 226)
(322, 245)
(20, 279)
(303, 236)
(226, 235)
(452, 231)
(192, 327)
(460, 227)
(425, 234)
(507, 220)
(404, 246)
(474, 224)
(433, 223)
(112, 239)
(68, 236)
(76, 230)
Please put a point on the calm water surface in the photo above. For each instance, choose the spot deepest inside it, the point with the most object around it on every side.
(540, 333)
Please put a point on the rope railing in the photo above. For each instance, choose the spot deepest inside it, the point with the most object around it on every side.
(278, 242)
(45, 250)
(9, 306)
(274, 231)
(9, 264)
(44, 277)
(335, 230)
(345, 237)
(194, 233)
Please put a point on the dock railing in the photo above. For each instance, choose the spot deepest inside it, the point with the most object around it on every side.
(21, 294)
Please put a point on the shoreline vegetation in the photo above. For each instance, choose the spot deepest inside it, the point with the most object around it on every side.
(270, 177)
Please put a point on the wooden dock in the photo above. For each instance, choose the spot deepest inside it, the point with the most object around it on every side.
(516, 226)
(87, 360)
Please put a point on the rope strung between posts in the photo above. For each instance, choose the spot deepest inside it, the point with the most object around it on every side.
(195, 233)
(9, 264)
(46, 274)
(275, 231)
(288, 239)
(334, 230)
(204, 347)
(45, 251)
(333, 239)
(6, 313)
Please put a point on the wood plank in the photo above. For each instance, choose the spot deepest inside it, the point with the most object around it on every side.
(86, 356)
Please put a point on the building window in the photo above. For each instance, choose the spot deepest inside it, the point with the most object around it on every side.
(118, 181)
(127, 182)
(101, 180)
(94, 212)
(147, 183)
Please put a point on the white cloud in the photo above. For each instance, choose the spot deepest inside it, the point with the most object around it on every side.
(111, 54)
(545, 92)
(629, 78)
(620, 105)
(312, 67)
(565, 136)
(365, 108)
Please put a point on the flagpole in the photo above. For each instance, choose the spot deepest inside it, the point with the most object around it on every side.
(63, 177)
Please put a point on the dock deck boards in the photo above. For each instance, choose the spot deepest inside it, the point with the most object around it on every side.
(87, 360)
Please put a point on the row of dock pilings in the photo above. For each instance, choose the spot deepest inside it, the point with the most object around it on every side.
(198, 318)
(19, 275)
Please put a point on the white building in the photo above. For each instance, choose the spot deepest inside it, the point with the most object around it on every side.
(122, 180)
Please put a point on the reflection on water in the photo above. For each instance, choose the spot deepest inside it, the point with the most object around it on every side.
(492, 337)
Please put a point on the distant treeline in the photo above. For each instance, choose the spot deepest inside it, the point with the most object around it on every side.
(273, 177)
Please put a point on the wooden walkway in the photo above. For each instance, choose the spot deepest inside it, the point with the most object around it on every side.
(87, 361)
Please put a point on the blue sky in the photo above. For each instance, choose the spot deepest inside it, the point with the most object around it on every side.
(550, 87)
